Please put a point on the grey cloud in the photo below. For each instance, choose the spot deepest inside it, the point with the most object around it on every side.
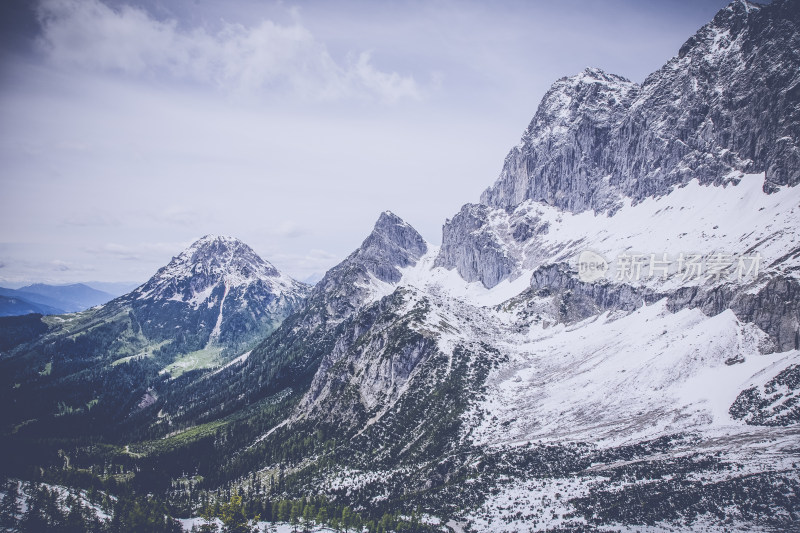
(268, 56)
(181, 216)
(303, 265)
(60, 266)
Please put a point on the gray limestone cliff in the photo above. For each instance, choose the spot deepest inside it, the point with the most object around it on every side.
(393, 244)
(470, 246)
(729, 101)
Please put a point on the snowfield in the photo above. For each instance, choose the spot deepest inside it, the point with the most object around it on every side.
(617, 378)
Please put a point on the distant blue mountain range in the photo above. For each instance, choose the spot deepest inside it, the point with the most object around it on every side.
(50, 299)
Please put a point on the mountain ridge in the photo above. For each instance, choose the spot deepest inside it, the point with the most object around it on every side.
(426, 384)
(60, 298)
(682, 122)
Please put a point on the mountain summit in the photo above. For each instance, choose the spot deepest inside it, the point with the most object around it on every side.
(726, 104)
(217, 290)
(207, 263)
(393, 244)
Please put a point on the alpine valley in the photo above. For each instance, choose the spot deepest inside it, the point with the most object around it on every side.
(608, 341)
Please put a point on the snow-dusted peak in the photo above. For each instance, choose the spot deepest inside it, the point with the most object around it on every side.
(388, 221)
(210, 261)
(559, 156)
(735, 11)
(211, 239)
(597, 75)
(591, 92)
(220, 256)
(374, 269)
(217, 293)
(712, 41)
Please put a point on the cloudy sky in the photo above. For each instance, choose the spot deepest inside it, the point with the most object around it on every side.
(130, 128)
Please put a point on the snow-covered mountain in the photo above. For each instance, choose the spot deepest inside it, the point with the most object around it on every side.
(219, 290)
(211, 303)
(728, 102)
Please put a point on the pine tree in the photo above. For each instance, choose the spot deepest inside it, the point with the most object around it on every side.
(234, 519)
(347, 519)
(209, 524)
(295, 514)
(52, 510)
(284, 511)
(322, 515)
(308, 518)
(75, 521)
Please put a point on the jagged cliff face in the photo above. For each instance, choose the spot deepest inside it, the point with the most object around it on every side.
(728, 104)
(470, 245)
(392, 245)
(564, 156)
(729, 101)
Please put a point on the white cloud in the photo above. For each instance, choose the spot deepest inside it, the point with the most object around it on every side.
(287, 229)
(59, 265)
(142, 251)
(91, 219)
(265, 57)
(179, 215)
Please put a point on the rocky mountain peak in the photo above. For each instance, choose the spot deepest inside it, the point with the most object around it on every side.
(228, 256)
(723, 29)
(393, 230)
(393, 244)
(734, 15)
(220, 289)
(387, 218)
(210, 261)
(561, 155)
(726, 104)
(589, 95)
